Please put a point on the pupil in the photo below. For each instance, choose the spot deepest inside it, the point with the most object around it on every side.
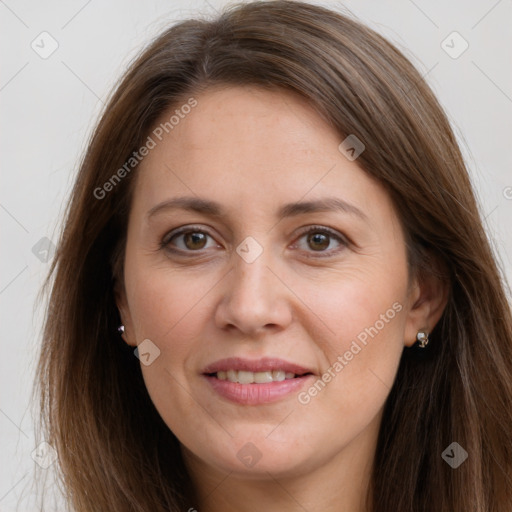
(195, 238)
(319, 238)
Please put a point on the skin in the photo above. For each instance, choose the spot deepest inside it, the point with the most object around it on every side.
(252, 151)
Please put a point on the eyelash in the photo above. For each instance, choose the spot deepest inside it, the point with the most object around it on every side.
(164, 244)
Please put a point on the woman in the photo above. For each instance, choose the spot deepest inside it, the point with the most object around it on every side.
(273, 290)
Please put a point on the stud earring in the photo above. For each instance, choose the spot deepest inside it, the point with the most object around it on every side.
(120, 329)
(422, 339)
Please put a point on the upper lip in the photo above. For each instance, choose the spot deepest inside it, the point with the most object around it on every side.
(264, 364)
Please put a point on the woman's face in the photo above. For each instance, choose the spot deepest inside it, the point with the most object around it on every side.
(219, 264)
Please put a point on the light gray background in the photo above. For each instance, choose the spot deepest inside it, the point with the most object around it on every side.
(49, 107)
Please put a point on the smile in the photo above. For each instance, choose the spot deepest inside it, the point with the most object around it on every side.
(252, 393)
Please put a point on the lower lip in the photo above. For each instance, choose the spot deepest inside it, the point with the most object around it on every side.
(254, 394)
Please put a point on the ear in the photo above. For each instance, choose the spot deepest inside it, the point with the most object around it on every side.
(124, 312)
(428, 297)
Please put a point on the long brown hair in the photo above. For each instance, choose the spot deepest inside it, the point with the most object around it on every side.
(115, 452)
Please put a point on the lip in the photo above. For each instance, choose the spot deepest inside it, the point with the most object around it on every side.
(263, 364)
(257, 394)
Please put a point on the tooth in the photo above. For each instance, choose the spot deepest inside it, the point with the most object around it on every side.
(245, 377)
(278, 375)
(263, 377)
(232, 375)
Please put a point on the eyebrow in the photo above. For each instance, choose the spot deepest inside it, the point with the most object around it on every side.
(214, 209)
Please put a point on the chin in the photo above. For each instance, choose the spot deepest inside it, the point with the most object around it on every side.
(256, 456)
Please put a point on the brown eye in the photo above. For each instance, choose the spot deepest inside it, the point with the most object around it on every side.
(321, 240)
(318, 241)
(188, 240)
(194, 240)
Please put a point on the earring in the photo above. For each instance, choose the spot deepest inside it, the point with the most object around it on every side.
(422, 339)
(120, 329)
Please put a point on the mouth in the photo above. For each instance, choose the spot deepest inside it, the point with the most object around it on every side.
(254, 382)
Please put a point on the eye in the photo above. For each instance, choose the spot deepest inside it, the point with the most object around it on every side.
(187, 239)
(320, 238)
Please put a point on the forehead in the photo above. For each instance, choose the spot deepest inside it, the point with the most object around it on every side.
(260, 123)
(246, 146)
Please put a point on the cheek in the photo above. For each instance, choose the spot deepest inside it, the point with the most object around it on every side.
(357, 304)
(164, 303)
(170, 310)
(365, 316)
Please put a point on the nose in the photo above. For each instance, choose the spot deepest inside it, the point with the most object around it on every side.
(255, 300)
